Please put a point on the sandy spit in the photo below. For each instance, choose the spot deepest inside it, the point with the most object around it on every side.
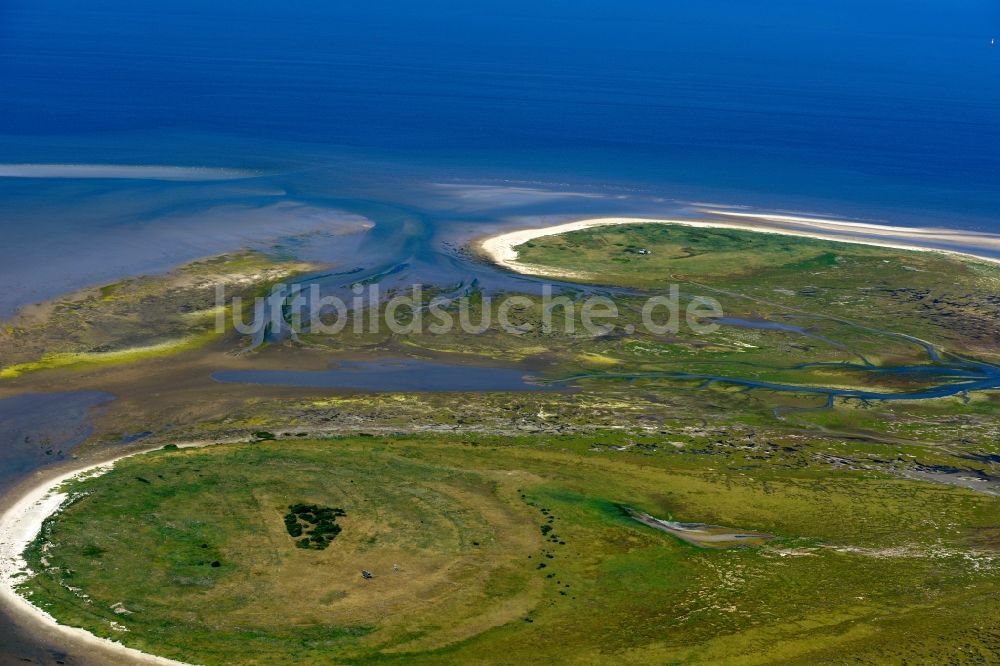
(501, 248)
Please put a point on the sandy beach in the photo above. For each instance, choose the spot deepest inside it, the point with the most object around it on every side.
(501, 248)
(19, 525)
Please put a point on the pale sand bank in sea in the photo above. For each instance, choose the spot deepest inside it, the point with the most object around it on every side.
(19, 526)
(122, 171)
(501, 248)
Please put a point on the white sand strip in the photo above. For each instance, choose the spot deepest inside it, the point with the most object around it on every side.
(912, 235)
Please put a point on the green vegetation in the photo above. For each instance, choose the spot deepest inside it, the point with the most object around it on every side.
(517, 548)
(136, 319)
(947, 299)
(113, 357)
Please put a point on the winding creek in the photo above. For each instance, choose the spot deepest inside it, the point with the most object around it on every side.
(402, 374)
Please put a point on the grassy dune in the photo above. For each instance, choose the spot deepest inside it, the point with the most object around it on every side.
(514, 550)
(944, 298)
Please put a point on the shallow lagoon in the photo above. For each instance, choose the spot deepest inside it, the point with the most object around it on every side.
(43, 428)
(392, 375)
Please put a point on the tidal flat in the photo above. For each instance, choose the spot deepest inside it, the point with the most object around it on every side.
(873, 518)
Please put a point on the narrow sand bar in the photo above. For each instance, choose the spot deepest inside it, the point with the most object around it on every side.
(122, 171)
(501, 248)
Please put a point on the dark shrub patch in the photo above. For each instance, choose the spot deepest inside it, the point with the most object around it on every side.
(317, 523)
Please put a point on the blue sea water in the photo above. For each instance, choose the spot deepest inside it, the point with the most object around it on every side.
(883, 110)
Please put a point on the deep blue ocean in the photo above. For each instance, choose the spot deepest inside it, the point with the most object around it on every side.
(879, 110)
